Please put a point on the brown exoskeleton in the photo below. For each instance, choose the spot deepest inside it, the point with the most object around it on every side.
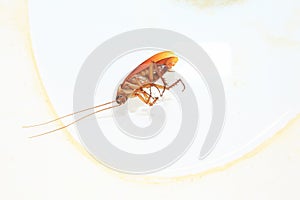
(145, 76)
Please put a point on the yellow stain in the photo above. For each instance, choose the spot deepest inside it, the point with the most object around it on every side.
(203, 4)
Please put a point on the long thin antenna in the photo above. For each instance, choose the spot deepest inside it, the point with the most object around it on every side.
(48, 122)
(73, 122)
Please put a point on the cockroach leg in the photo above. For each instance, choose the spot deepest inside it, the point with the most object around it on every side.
(145, 97)
(175, 83)
(149, 96)
(163, 87)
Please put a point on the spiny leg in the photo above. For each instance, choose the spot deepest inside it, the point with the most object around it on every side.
(157, 86)
(145, 97)
(149, 96)
(164, 81)
(141, 98)
(175, 83)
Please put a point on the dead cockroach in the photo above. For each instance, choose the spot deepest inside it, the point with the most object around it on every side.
(142, 78)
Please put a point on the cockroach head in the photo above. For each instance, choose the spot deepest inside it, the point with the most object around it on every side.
(121, 99)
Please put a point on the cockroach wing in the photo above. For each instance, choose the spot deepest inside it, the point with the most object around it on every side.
(167, 58)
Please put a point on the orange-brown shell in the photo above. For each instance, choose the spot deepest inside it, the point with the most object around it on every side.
(167, 58)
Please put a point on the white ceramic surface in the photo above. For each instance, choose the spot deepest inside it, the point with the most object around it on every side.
(253, 44)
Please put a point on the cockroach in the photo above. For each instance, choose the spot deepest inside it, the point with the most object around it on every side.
(138, 83)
